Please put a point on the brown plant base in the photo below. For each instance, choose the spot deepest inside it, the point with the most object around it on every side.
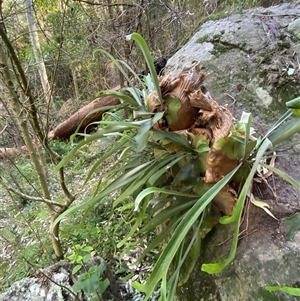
(189, 107)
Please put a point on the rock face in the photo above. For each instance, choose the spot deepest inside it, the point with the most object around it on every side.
(253, 56)
(253, 63)
(55, 284)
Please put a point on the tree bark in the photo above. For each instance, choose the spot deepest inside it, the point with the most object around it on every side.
(82, 118)
(24, 126)
(37, 52)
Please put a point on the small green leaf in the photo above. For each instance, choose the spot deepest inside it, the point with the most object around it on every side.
(227, 145)
(76, 269)
(87, 249)
(294, 223)
(142, 136)
(86, 258)
(188, 172)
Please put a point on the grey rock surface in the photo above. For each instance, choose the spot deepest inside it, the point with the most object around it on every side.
(40, 288)
(252, 59)
(55, 284)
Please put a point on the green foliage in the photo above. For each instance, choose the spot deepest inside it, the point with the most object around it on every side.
(60, 147)
(80, 255)
(90, 281)
(180, 203)
(26, 244)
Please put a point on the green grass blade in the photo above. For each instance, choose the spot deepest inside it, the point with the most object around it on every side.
(120, 182)
(293, 291)
(283, 175)
(156, 165)
(166, 214)
(134, 228)
(152, 169)
(213, 268)
(108, 154)
(148, 58)
(174, 137)
(115, 62)
(192, 254)
(113, 128)
(294, 105)
(163, 170)
(135, 75)
(163, 263)
(121, 95)
(247, 119)
(286, 131)
(280, 121)
(173, 281)
(151, 190)
(137, 95)
(161, 237)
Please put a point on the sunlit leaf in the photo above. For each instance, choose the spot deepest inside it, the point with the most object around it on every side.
(293, 291)
(148, 58)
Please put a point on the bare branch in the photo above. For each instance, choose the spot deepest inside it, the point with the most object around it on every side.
(106, 4)
(31, 198)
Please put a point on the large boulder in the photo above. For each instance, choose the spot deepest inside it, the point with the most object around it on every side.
(253, 63)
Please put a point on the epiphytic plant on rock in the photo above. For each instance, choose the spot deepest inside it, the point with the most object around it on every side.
(186, 165)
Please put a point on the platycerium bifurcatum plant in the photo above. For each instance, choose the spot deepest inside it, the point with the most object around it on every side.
(180, 154)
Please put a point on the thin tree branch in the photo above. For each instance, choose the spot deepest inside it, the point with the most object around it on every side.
(31, 198)
(103, 4)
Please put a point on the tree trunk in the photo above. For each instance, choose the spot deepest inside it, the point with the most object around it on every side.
(82, 118)
(37, 52)
(23, 124)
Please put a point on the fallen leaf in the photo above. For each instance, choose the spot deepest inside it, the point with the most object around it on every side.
(263, 205)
